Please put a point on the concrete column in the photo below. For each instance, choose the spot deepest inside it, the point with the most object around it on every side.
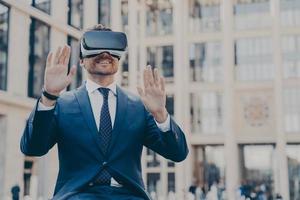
(133, 43)
(47, 171)
(231, 148)
(57, 39)
(164, 178)
(115, 17)
(278, 90)
(181, 93)
(90, 13)
(184, 80)
(18, 52)
(142, 64)
(142, 47)
(116, 25)
(14, 159)
(3, 133)
(59, 12)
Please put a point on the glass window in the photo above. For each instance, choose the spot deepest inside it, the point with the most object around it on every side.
(293, 157)
(170, 109)
(290, 13)
(209, 172)
(125, 71)
(204, 16)
(39, 49)
(159, 17)
(170, 104)
(75, 13)
(104, 8)
(291, 56)
(162, 58)
(154, 186)
(43, 5)
(4, 23)
(171, 182)
(252, 14)
(171, 164)
(28, 166)
(74, 60)
(152, 159)
(291, 106)
(258, 162)
(254, 59)
(206, 62)
(206, 113)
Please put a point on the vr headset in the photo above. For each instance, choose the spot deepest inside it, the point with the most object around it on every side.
(95, 42)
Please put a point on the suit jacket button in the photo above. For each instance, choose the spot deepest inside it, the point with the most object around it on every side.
(104, 163)
(91, 184)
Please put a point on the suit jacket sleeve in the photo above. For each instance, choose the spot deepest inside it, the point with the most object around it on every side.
(40, 133)
(171, 144)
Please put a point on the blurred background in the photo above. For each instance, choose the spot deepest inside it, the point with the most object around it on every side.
(232, 69)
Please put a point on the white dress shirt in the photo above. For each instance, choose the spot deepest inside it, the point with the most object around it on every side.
(96, 100)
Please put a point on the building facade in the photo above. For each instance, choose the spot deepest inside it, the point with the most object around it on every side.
(232, 70)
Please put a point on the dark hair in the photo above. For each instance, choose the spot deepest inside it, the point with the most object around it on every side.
(97, 27)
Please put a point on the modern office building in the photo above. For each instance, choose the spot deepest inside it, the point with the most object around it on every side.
(232, 69)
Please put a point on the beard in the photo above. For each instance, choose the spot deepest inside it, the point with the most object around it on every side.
(95, 71)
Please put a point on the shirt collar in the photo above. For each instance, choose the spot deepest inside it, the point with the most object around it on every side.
(91, 86)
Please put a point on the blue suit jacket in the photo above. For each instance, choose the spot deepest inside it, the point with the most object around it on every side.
(72, 127)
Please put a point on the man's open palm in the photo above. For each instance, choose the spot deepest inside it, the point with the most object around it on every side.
(153, 95)
(56, 73)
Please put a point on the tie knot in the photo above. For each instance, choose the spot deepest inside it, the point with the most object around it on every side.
(104, 92)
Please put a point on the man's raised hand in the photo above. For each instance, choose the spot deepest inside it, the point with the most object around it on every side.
(56, 73)
(153, 95)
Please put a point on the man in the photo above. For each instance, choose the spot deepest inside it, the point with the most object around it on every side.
(99, 128)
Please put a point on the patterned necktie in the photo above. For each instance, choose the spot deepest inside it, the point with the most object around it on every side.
(105, 127)
(105, 132)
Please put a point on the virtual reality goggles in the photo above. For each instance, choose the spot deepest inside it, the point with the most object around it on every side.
(95, 42)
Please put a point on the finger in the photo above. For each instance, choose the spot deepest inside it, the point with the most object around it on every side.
(150, 75)
(162, 84)
(62, 55)
(71, 73)
(156, 77)
(67, 57)
(140, 91)
(146, 81)
(57, 53)
(49, 60)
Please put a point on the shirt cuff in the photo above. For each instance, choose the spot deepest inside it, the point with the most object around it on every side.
(165, 126)
(42, 107)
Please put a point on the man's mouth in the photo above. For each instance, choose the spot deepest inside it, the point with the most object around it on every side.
(103, 62)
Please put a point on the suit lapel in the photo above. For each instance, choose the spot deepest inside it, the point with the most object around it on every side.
(121, 111)
(86, 109)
